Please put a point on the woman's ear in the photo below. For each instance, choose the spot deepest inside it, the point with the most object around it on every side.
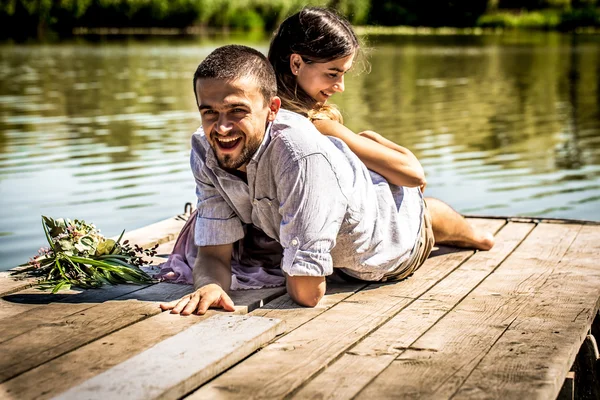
(295, 63)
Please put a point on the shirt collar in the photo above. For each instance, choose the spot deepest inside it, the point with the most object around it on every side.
(265, 143)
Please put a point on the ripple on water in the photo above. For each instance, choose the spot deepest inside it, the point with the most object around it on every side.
(102, 132)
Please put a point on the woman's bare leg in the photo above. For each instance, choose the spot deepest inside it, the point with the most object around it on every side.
(451, 228)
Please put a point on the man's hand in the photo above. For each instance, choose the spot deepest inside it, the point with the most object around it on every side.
(211, 295)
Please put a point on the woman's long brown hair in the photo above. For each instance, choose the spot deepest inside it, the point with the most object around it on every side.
(317, 35)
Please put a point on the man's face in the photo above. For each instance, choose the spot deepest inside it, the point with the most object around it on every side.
(234, 118)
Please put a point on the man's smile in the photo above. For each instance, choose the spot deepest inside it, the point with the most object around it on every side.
(227, 143)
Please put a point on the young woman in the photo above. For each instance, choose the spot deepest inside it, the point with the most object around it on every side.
(311, 52)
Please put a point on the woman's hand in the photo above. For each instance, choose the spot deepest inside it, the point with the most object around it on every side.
(200, 301)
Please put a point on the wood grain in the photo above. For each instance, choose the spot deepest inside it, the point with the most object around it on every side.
(173, 367)
(57, 307)
(10, 283)
(51, 339)
(286, 309)
(283, 366)
(160, 232)
(72, 368)
(534, 355)
(438, 363)
(362, 363)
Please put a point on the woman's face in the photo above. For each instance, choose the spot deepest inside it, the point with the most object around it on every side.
(321, 80)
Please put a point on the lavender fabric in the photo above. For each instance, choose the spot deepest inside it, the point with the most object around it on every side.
(261, 257)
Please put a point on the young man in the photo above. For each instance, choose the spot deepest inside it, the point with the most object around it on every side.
(255, 164)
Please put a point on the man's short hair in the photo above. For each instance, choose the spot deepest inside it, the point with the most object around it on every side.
(233, 62)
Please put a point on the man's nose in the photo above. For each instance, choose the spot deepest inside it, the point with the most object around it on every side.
(223, 126)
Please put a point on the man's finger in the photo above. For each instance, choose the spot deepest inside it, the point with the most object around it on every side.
(205, 303)
(226, 303)
(191, 305)
(180, 305)
(170, 305)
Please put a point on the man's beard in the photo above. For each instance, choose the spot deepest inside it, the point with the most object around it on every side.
(231, 162)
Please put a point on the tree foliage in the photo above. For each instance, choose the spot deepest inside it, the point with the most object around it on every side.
(29, 18)
(427, 12)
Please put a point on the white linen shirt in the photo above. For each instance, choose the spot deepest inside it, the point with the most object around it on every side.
(314, 196)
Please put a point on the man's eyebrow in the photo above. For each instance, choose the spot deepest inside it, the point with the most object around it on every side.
(232, 105)
(336, 69)
(235, 105)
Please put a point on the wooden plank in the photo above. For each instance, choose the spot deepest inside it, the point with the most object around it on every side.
(358, 366)
(492, 225)
(28, 299)
(157, 233)
(8, 309)
(73, 368)
(436, 364)
(10, 284)
(535, 353)
(283, 366)
(52, 339)
(175, 366)
(567, 391)
(17, 304)
(57, 307)
(286, 309)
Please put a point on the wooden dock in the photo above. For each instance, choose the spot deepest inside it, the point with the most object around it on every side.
(503, 324)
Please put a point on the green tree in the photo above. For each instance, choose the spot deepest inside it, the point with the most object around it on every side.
(427, 12)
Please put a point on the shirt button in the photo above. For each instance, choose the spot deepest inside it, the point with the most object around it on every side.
(255, 202)
(294, 242)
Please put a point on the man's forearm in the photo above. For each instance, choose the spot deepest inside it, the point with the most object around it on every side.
(213, 266)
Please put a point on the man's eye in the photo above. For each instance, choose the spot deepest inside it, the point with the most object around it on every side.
(238, 110)
(333, 75)
(208, 112)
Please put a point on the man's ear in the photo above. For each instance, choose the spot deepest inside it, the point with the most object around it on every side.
(295, 63)
(274, 107)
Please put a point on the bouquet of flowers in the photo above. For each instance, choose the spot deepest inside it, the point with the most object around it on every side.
(80, 256)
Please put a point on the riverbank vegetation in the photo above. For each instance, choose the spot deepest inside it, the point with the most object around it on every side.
(22, 19)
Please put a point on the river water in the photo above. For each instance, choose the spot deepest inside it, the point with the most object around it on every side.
(503, 124)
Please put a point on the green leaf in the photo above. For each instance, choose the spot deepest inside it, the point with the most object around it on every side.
(120, 237)
(62, 284)
(44, 225)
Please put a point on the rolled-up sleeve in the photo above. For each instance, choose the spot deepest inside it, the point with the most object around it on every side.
(216, 222)
(312, 207)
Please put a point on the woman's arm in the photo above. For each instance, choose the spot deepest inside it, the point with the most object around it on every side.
(395, 163)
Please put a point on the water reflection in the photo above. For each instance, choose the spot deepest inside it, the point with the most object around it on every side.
(504, 125)
(498, 121)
